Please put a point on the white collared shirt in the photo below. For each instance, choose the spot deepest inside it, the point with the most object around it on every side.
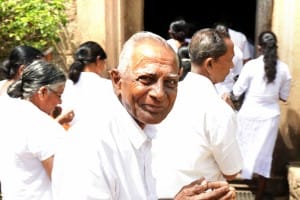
(197, 139)
(108, 160)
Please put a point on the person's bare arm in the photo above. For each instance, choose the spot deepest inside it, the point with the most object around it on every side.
(230, 177)
(61, 116)
(65, 117)
(227, 99)
(48, 164)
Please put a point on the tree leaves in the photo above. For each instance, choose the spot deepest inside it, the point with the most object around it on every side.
(32, 22)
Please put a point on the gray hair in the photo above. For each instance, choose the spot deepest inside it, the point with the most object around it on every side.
(39, 73)
(206, 43)
(137, 38)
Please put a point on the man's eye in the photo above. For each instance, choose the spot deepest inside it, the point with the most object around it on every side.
(147, 80)
(171, 83)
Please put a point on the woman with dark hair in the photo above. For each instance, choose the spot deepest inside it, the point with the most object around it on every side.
(89, 57)
(12, 67)
(29, 137)
(85, 87)
(178, 32)
(264, 80)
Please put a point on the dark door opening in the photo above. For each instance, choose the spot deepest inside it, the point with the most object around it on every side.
(158, 15)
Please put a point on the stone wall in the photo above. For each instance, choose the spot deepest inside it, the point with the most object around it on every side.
(286, 25)
(70, 37)
(107, 22)
(294, 181)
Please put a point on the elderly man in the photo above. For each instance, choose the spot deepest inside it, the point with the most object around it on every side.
(111, 158)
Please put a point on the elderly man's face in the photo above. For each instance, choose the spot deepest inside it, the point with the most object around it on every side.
(148, 90)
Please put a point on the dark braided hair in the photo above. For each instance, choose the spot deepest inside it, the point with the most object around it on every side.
(268, 43)
(85, 54)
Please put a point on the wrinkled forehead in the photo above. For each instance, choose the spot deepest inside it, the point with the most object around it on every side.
(153, 53)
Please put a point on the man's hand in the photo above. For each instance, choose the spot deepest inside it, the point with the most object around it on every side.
(203, 190)
(227, 99)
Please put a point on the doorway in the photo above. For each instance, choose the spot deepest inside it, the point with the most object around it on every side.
(158, 15)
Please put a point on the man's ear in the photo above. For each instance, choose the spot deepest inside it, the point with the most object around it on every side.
(116, 80)
(115, 76)
(208, 65)
(180, 73)
(208, 62)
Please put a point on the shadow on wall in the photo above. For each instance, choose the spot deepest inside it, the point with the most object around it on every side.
(287, 148)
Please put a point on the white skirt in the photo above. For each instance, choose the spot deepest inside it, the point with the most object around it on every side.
(257, 139)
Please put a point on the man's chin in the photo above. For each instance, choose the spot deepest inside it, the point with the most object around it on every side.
(154, 119)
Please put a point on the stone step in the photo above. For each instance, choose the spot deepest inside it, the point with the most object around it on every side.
(245, 195)
(277, 188)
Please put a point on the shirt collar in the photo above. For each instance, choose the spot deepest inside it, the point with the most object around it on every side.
(133, 131)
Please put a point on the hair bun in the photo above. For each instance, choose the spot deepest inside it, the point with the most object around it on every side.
(83, 54)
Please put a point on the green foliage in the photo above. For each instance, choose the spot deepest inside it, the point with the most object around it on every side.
(31, 22)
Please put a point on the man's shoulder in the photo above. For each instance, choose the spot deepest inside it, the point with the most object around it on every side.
(235, 33)
(196, 79)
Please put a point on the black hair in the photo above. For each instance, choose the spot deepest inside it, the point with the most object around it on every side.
(222, 29)
(20, 55)
(185, 61)
(268, 42)
(179, 30)
(85, 54)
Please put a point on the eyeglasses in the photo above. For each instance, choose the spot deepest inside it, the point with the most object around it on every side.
(54, 92)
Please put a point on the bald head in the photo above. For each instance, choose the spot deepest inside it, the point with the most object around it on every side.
(142, 44)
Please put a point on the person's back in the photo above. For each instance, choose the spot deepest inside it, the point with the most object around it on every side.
(86, 90)
(241, 41)
(24, 142)
(259, 93)
(84, 97)
(261, 96)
